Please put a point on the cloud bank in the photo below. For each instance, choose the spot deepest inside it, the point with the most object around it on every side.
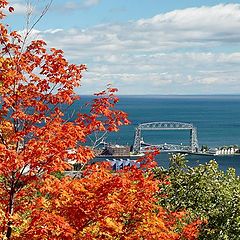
(194, 50)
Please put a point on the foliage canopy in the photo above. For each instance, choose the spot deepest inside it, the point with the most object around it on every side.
(204, 191)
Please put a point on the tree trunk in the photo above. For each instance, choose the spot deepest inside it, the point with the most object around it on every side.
(10, 212)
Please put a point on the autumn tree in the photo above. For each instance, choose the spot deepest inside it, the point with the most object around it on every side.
(35, 138)
(36, 141)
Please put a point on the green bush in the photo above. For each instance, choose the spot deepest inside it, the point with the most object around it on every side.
(206, 192)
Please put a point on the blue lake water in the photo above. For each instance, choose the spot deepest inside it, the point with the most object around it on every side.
(217, 119)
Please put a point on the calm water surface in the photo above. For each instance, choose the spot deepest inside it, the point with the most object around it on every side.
(217, 119)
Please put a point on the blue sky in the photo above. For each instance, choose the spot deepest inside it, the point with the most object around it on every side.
(145, 46)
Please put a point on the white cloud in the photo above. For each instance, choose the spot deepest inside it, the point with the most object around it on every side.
(183, 51)
(75, 5)
(208, 80)
(90, 3)
(71, 5)
(208, 23)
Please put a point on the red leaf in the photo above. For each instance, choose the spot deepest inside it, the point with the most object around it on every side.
(11, 9)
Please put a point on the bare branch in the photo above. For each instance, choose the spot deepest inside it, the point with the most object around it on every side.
(29, 13)
(98, 140)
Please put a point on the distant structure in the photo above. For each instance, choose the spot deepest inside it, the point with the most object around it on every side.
(156, 126)
(118, 150)
(113, 150)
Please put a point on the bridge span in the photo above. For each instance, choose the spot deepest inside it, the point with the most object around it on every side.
(156, 126)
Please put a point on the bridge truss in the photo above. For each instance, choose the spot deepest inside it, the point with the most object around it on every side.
(155, 126)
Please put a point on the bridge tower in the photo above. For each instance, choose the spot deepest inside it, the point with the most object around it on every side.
(137, 140)
(194, 140)
(166, 126)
